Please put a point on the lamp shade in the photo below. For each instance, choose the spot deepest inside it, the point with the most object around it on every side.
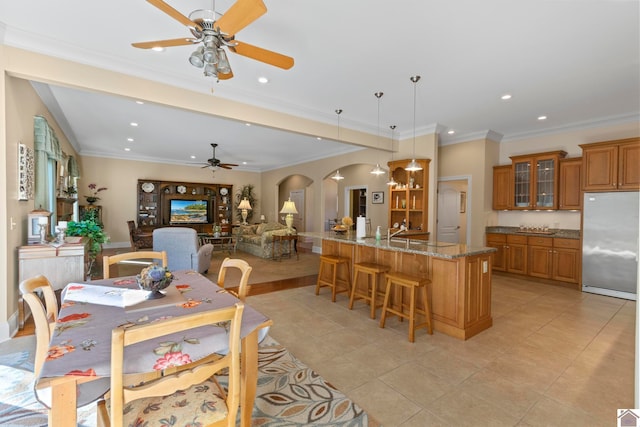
(289, 207)
(244, 204)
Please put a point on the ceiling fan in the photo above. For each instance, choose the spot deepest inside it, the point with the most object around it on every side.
(216, 163)
(214, 35)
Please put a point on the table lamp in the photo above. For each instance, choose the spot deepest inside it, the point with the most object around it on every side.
(289, 208)
(245, 206)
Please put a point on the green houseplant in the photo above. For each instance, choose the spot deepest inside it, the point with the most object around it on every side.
(94, 231)
(246, 192)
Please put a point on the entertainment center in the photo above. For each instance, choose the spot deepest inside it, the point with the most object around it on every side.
(184, 204)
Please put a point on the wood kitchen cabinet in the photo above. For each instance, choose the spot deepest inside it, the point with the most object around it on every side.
(409, 199)
(570, 185)
(502, 187)
(511, 255)
(535, 180)
(611, 165)
(554, 258)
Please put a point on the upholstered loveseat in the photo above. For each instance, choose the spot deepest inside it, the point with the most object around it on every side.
(257, 239)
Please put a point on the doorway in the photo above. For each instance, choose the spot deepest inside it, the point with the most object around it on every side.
(355, 202)
(452, 218)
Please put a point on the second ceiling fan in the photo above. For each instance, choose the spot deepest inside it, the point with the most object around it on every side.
(216, 35)
(216, 163)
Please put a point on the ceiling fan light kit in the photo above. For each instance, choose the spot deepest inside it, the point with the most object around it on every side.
(214, 35)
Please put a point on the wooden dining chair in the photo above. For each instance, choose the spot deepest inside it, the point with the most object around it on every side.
(107, 260)
(44, 316)
(244, 268)
(185, 396)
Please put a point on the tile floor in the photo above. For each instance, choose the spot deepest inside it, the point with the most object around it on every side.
(554, 357)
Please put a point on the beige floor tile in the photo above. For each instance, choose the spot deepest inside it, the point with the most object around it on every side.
(416, 385)
(548, 412)
(513, 397)
(553, 356)
(461, 409)
(384, 403)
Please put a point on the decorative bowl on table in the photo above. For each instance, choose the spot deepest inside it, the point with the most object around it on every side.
(154, 279)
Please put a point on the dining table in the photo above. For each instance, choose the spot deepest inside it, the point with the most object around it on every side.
(77, 368)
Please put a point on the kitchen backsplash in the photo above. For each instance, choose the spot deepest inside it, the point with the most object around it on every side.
(552, 219)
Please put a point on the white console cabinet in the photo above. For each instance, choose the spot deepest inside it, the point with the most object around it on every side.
(61, 265)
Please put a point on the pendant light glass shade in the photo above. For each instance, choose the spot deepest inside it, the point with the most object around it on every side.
(391, 181)
(413, 165)
(336, 176)
(378, 170)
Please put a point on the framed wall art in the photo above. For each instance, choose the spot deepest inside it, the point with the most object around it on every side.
(25, 172)
(377, 197)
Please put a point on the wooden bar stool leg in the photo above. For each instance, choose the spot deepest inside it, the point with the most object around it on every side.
(427, 310)
(385, 304)
(372, 285)
(353, 288)
(319, 277)
(412, 315)
(335, 284)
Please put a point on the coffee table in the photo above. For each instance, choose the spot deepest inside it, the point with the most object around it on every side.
(219, 242)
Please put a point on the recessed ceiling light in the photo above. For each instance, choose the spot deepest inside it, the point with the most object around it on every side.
(247, 124)
(263, 80)
(127, 149)
(244, 163)
(139, 102)
(505, 97)
(134, 124)
(157, 49)
(318, 138)
(451, 131)
(130, 139)
(193, 157)
(542, 117)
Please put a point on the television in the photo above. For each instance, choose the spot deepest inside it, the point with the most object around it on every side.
(189, 211)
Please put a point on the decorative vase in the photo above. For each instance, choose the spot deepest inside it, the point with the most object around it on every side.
(154, 287)
(91, 200)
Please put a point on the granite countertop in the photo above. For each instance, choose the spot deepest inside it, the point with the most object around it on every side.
(422, 247)
(553, 232)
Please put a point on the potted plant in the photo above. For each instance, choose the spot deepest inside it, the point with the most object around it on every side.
(95, 190)
(246, 192)
(92, 230)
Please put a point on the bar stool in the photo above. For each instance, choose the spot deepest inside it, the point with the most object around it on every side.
(333, 262)
(413, 283)
(372, 270)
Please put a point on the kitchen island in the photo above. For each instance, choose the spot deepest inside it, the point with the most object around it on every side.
(460, 290)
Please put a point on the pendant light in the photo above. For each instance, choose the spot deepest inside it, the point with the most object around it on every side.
(336, 176)
(413, 165)
(378, 170)
(392, 182)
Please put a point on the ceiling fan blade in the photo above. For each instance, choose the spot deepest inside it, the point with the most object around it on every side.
(228, 164)
(262, 55)
(175, 14)
(225, 76)
(223, 166)
(241, 14)
(164, 43)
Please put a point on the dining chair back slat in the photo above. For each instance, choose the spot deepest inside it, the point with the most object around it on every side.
(108, 261)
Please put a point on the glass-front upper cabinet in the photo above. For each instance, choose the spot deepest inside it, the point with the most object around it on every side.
(536, 180)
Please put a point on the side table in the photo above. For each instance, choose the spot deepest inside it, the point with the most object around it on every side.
(291, 239)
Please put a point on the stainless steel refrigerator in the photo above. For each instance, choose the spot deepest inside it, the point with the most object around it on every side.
(611, 231)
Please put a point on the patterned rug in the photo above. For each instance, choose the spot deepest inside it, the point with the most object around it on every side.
(289, 393)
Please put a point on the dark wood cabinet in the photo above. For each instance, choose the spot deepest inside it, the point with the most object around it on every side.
(611, 165)
(155, 196)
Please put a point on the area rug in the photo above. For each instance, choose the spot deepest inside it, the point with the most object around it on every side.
(289, 393)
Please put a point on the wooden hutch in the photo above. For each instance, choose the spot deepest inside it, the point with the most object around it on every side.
(409, 198)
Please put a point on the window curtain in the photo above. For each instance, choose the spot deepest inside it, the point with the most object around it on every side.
(47, 151)
(72, 166)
